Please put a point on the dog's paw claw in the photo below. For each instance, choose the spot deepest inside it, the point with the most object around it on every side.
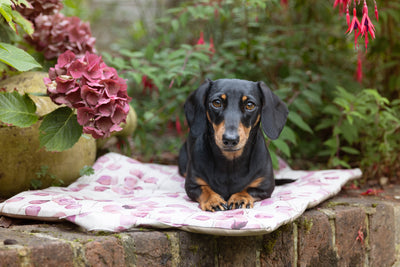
(240, 200)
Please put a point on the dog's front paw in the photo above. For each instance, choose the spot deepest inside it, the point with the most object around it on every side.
(213, 202)
(240, 200)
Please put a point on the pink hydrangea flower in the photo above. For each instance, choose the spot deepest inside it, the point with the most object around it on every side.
(87, 84)
(55, 34)
(33, 8)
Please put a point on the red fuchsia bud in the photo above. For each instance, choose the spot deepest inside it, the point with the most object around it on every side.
(376, 12)
(148, 85)
(216, 12)
(347, 16)
(211, 48)
(201, 39)
(178, 126)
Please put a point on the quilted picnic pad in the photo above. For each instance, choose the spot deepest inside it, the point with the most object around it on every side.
(124, 194)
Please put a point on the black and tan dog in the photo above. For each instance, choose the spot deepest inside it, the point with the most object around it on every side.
(225, 159)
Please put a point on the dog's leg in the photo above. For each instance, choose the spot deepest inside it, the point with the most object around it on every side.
(253, 192)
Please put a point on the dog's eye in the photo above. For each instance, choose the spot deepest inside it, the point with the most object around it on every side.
(250, 105)
(217, 103)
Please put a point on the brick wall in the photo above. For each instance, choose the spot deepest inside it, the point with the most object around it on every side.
(341, 232)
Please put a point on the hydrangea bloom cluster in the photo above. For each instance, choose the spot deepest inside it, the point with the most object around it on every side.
(34, 8)
(87, 84)
(55, 34)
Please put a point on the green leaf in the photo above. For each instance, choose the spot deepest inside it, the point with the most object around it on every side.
(298, 121)
(6, 12)
(16, 109)
(59, 130)
(25, 24)
(350, 150)
(86, 170)
(282, 146)
(17, 58)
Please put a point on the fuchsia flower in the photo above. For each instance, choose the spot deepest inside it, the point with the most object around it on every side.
(201, 39)
(366, 25)
(341, 4)
(55, 34)
(362, 28)
(87, 84)
(354, 25)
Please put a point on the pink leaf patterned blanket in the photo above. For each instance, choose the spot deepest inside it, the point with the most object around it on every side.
(125, 194)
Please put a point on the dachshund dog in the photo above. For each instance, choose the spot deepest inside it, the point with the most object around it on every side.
(225, 159)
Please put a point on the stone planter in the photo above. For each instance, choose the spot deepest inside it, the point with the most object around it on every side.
(21, 158)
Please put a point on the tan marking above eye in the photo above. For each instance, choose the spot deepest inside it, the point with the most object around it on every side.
(223, 96)
(244, 98)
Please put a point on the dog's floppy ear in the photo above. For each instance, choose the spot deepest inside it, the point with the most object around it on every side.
(195, 109)
(274, 112)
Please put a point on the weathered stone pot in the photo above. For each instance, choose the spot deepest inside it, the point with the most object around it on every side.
(21, 158)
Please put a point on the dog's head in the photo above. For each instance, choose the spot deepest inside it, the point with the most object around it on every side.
(233, 108)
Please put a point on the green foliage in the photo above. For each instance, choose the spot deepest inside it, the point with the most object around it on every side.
(18, 110)
(365, 129)
(59, 130)
(17, 58)
(86, 170)
(9, 53)
(44, 173)
(13, 17)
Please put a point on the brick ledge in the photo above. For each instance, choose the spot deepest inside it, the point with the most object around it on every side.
(343, 231)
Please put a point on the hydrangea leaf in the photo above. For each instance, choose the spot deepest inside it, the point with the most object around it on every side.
(18, 110)
(17, 58)
(59, 130)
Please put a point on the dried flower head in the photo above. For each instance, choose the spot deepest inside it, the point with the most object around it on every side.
(55, 34)
(39, 7)
(94, 89)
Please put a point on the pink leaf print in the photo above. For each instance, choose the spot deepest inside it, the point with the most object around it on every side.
(127, 220)
(64, 201)
(15, 199)
(130, 182)
(38, 201)
(41, 194)
(137, 173)
(100, 188)
(121, 190)
(104, 180)
(150, 180)
(140, 214)
(112, 208)
(201, 218)
(263, 216)
(73, 206)
(114, 167)
(32, 210)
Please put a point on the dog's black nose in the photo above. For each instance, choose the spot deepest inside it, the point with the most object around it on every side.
(230, 140)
